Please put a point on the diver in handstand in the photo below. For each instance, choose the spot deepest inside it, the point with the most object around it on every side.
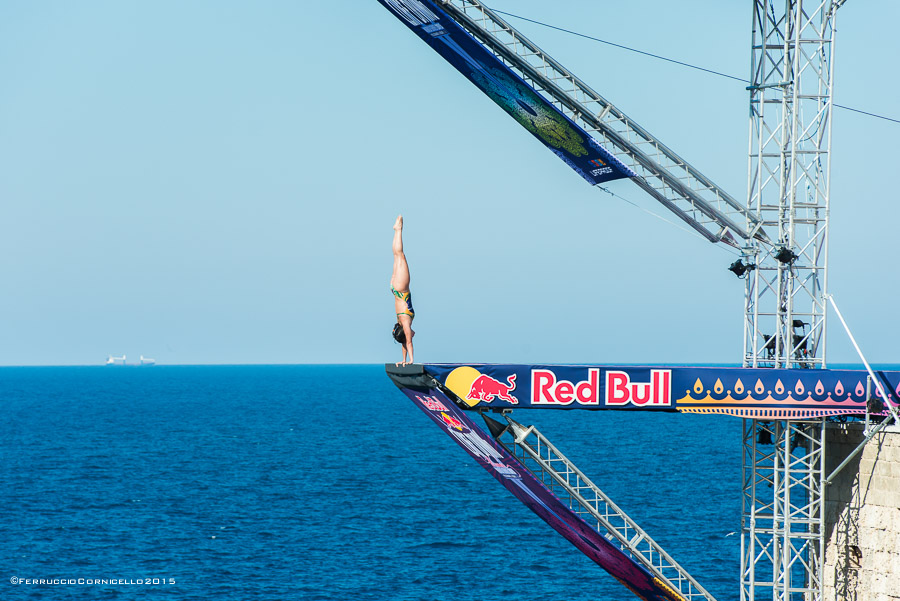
(403, 332)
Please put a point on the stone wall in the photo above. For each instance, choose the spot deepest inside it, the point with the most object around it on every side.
(862, 513)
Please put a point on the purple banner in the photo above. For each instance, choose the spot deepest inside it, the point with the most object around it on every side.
(755, 393)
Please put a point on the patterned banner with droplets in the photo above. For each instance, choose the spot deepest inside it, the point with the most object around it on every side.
(743, 392)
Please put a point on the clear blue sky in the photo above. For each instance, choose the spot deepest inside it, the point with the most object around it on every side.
(215, 182)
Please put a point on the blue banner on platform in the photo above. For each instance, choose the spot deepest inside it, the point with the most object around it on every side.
(743, 392)
(556, 131)
(528, 489)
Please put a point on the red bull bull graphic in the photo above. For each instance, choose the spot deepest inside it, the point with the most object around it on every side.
(742, 392)
(476, 388)
(486, 388)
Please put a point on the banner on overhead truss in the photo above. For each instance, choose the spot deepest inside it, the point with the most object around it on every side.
(556, 131)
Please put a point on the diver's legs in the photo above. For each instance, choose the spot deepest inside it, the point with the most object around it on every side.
(400, 275)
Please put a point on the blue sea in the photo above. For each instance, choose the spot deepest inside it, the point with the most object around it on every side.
(322, 483)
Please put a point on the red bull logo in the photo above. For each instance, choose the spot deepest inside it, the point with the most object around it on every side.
(486, 388)
(621, 391)
(546, 390)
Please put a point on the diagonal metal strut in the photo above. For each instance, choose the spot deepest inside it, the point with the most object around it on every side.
(664, 175)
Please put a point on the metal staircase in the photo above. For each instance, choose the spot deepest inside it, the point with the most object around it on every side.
(583, 497)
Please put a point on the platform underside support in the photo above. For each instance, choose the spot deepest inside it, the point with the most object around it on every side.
(584, 498)
(783, 517)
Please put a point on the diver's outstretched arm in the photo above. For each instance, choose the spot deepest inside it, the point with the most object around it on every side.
(408, 345)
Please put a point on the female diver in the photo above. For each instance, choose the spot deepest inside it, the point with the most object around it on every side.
(403, 332)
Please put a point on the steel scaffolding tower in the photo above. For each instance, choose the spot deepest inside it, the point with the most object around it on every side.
(782, 524)
(788, 181)
(782, 542)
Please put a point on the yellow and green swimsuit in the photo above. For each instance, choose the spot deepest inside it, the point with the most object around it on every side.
(407, 298)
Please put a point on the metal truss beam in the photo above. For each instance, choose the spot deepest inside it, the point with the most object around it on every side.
(789, 182)
(664, 175)
(783, 514)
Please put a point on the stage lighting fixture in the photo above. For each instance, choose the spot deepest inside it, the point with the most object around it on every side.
(785, 255)
(739, 269)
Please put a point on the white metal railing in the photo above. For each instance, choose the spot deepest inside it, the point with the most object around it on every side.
(590, 503)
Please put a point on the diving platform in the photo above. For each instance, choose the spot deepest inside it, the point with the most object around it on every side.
(783, 411)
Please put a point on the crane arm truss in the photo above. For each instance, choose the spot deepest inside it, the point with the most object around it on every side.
(664, 175)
